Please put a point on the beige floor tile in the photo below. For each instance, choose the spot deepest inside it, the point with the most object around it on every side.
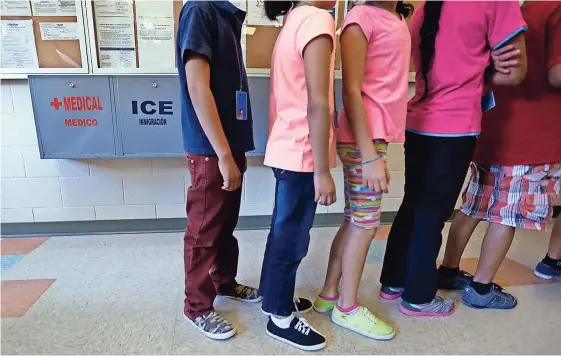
(123, 294)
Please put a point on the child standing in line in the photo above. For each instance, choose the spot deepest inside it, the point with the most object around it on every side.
(215, 140)
(375, 52)
(301, 152)
(451, 50)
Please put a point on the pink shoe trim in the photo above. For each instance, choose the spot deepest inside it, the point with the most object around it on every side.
(390, 296)
(349, 309)
(330, 299)
(416, 313)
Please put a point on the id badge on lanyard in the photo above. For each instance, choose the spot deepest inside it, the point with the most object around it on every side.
(241, 95)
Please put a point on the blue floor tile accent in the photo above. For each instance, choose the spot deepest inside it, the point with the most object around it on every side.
(9, 261)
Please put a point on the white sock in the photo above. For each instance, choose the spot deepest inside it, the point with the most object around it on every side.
(283, 323)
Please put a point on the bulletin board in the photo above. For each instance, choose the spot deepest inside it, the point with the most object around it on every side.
(133, 36)
(260, 45)
(47, 37)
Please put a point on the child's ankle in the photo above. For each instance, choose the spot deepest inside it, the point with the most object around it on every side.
(329, 296)
(349, 310)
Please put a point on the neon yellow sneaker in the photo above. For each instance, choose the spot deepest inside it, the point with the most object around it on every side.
(364, 323)
(323, 305)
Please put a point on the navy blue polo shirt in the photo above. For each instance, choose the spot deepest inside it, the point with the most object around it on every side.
(213, 29)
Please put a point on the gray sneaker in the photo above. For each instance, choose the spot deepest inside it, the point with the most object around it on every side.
(497, 298)
(437, 307)
(212, 325)
(245, 294)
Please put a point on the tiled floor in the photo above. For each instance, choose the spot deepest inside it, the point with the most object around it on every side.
(122, 294)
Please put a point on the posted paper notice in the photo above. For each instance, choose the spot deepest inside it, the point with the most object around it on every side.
(59, 31)
(18, 44)
(115, 33)
(15, 8)
(256, 15)
(53, 7)
(155, 28)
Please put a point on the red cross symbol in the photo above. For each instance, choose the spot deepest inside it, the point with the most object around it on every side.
(56, 104)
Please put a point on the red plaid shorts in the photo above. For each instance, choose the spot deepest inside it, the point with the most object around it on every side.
(517, 196)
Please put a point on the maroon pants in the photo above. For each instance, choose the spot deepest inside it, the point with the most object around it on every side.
(210, 248)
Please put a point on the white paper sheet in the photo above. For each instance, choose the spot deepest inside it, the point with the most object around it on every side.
(154, 24)
(256, 15)
(240, 4)
(58, 31)
(53, 7)
(115, 33)
(15, 8)
(18, 44)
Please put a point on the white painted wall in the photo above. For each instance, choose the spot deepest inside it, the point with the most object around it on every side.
(33, 189)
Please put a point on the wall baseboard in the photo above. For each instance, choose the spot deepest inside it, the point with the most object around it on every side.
(143, 226)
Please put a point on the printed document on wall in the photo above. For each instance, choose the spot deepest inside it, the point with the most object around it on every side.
(54, 7)
(58, 31)
(15, 8)
(18, 44)
(256, 15)
(115, 33)
(240, 4)
(154, 22)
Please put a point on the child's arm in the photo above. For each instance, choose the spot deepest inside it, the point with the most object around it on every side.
(554, 76)
(317, 63)
(554, 48)
(515, 73)
(197, 69)
(353, 55)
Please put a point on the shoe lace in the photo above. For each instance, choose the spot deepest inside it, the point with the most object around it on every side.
(466, 274)
(303, 326)
(369, 315)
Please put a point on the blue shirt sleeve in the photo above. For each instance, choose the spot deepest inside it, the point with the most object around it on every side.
(196, 30)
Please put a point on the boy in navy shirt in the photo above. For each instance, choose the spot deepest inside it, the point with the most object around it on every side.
(217, 132)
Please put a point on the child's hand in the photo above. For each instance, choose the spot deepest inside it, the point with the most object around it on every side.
(325, 189)
(375, 176)
(504, 58)
(230, 173)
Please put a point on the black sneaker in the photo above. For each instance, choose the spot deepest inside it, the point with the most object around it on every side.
(299, 334)
(301, 306)
(458, 282)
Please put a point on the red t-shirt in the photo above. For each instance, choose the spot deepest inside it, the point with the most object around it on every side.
(525, 126)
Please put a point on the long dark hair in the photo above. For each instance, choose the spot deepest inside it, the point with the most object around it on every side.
(404, 9)
(274, 9)
(428, 33)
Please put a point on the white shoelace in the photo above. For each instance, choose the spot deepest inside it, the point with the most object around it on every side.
(303, 326)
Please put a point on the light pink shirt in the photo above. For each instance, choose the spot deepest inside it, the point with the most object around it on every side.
(468, 32)
(289, 145)
(384, 88)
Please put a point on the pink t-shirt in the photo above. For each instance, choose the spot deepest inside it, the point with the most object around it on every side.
(384, 88)
(289, 145)
(469, 30)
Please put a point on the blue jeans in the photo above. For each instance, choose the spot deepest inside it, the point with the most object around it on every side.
(288, 241)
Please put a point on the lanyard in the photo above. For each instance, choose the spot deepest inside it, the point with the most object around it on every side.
(237, 56)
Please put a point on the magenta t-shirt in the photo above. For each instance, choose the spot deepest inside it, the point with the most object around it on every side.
(386, 71)
(469, 30)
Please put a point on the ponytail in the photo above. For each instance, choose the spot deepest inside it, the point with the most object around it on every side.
(404, 9)
(428, 32)
(274, 9)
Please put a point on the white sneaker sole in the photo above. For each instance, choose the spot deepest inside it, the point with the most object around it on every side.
(250, 301)
(300, 312)
(301, 347)
(542, 276)
(222, 336)
(371, 336)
